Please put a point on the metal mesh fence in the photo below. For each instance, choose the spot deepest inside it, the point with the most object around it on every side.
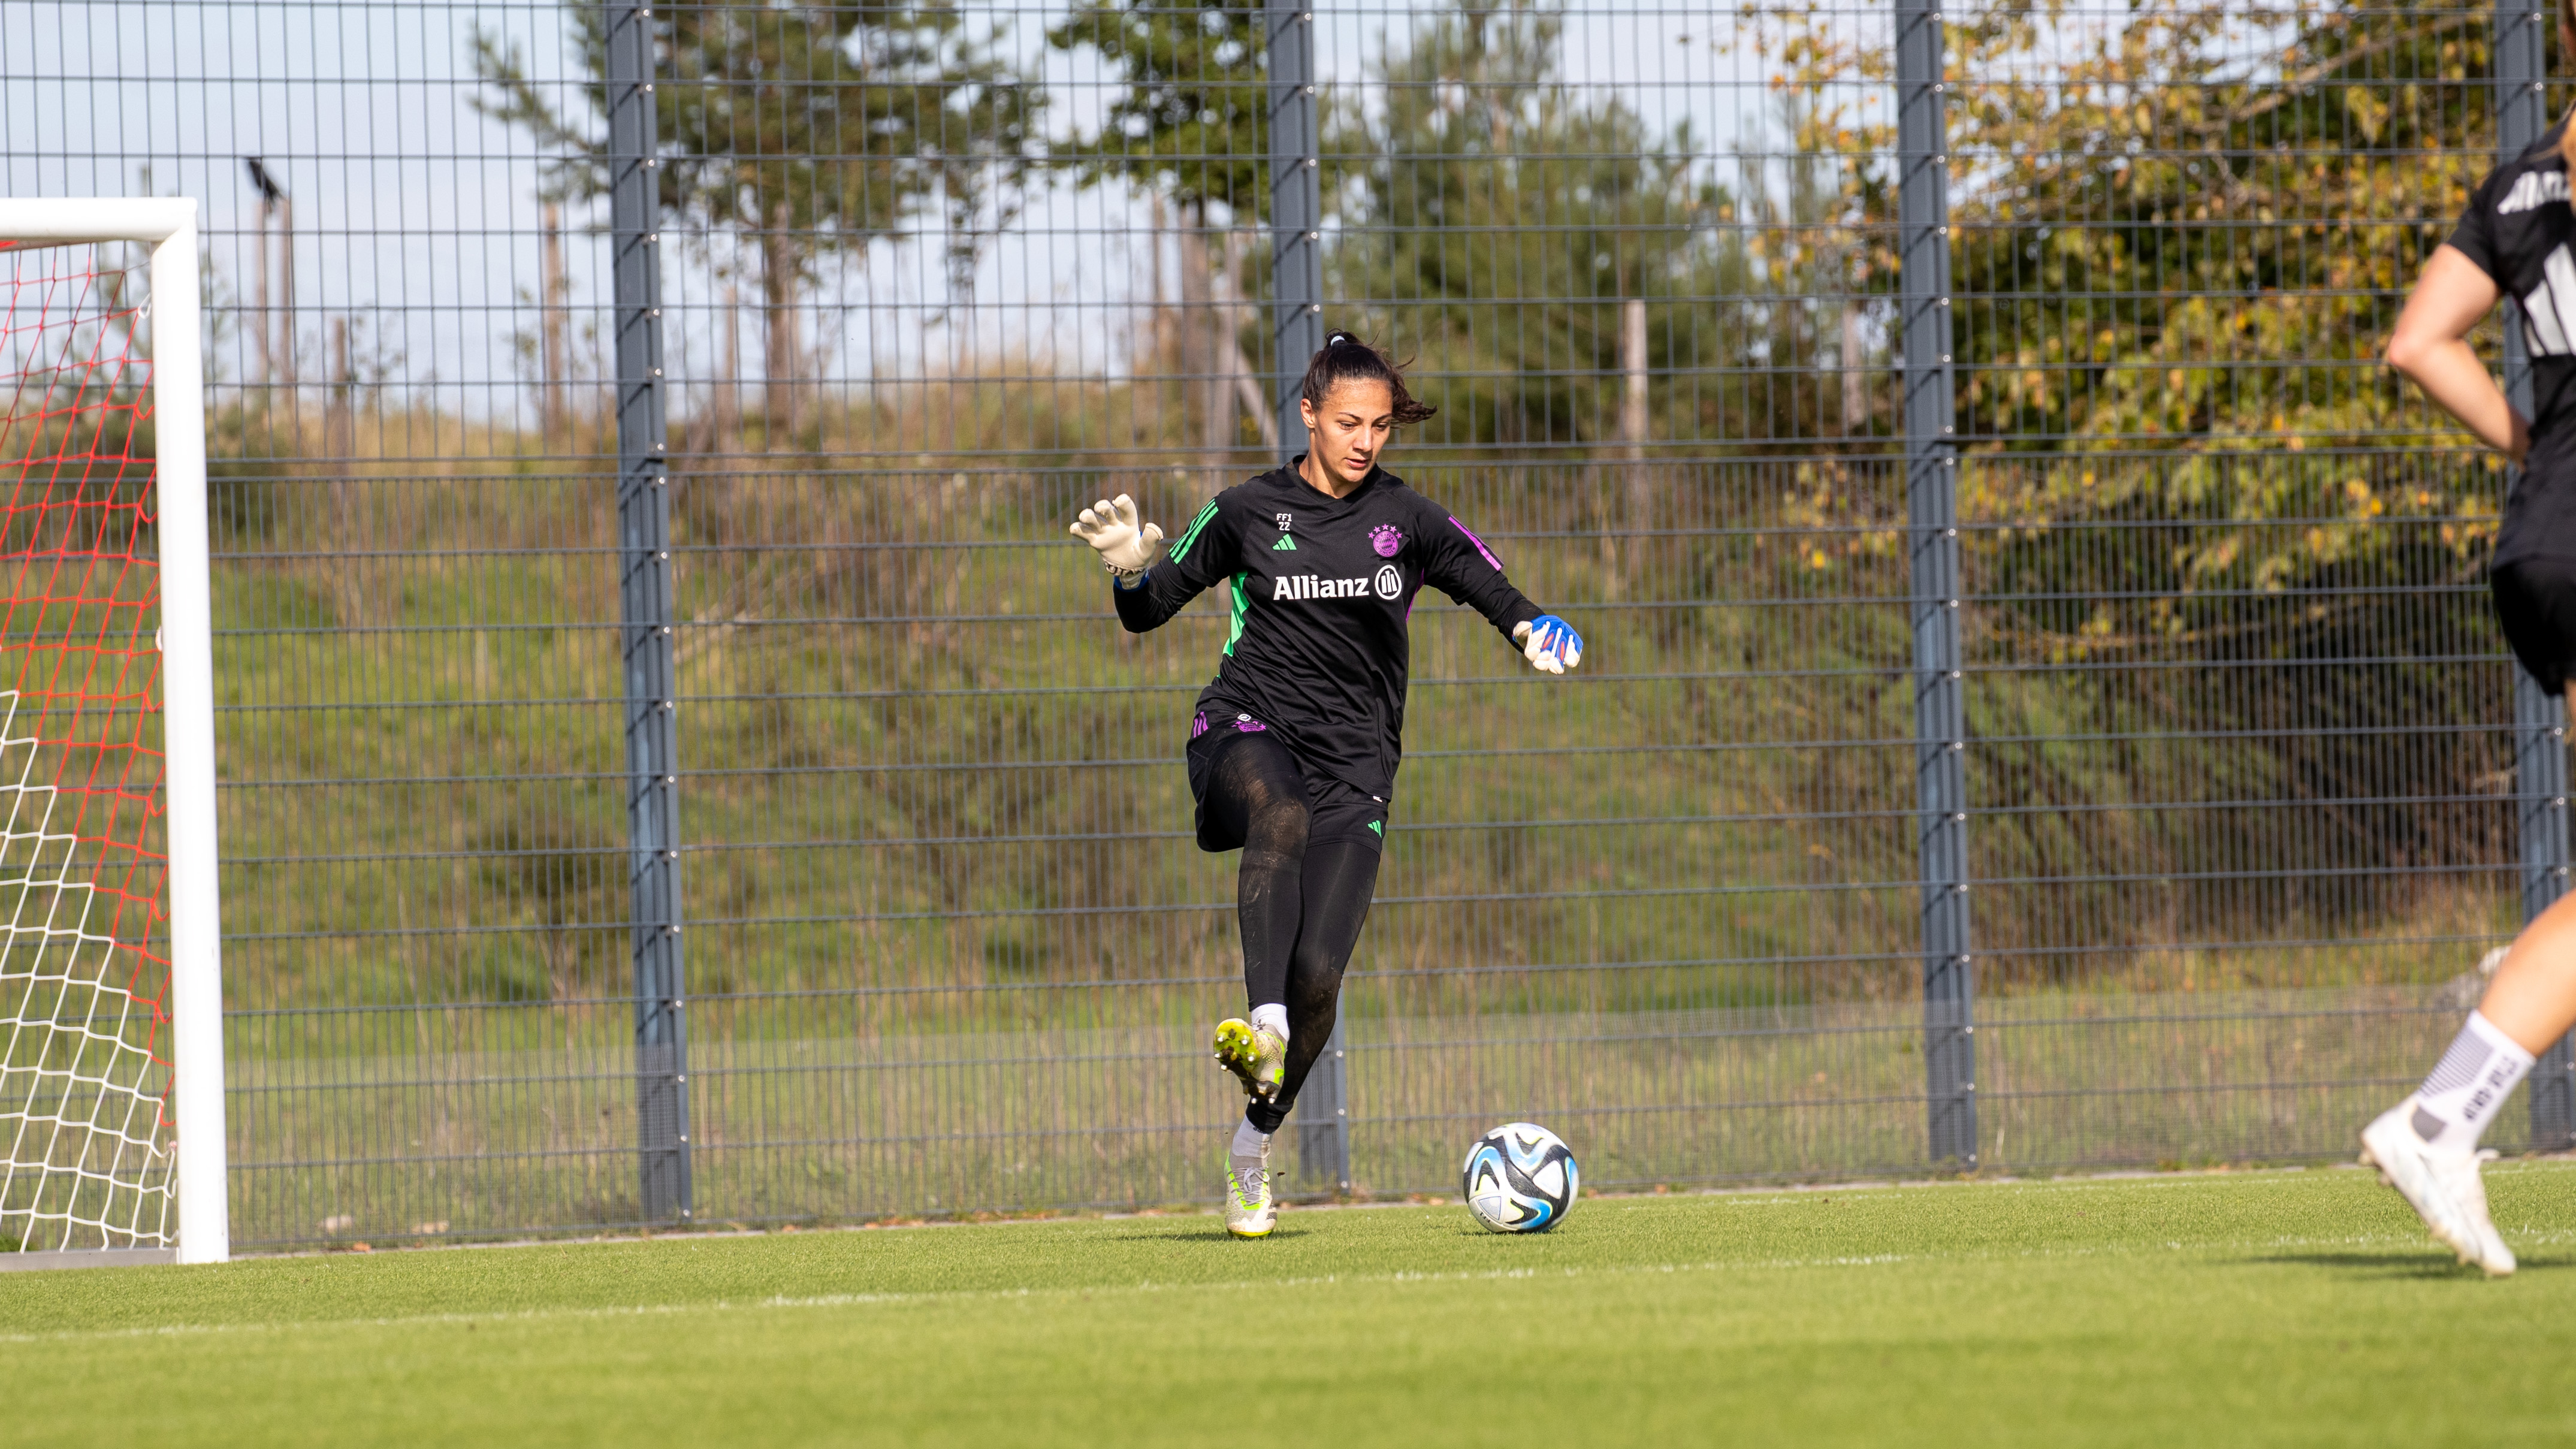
(2242, 779)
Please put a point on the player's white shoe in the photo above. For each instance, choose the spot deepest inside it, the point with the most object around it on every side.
(2492, 1255)
(2443, 1187)
(1249, 1212)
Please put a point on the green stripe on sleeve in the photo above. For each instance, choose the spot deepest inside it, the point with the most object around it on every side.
(1197, 525)
(1242, 605)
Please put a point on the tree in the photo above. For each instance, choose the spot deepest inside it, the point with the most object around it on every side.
(2177, 235)
(1189, 126)
(806, 130)
(1497, 223)
(1191, 119)
(2161, 243)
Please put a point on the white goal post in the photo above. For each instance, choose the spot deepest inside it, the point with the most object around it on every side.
(111, 1113)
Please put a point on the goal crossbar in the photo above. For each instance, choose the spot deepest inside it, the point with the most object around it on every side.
(70, 221)
(168, 225)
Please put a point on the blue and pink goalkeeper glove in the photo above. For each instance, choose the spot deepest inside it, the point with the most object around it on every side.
(1550, 644)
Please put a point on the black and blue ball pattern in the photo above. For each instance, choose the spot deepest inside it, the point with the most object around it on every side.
(1521, 1178)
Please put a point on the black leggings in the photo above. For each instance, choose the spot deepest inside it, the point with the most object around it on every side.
(1301, 905)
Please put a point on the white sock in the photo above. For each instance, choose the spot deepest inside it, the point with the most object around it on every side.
(1250, 1142)
(2455, 1104)
(1272, 1019)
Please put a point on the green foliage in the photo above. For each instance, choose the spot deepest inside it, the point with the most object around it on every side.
(1484, 179)
(1192, 117)
(1480, 179)
(2269, 176)
(2176, 231)
(2175, 237)
(809, 128)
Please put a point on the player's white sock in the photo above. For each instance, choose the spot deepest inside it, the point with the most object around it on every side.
(1249, 1142)
(2455, 1104)
(1272, 1019)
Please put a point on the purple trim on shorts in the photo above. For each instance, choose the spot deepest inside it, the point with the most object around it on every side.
(1479, 543)
(1243, 724)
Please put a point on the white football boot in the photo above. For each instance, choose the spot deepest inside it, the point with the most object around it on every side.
(2492, 1255)
(1249, 1212)
(2442, 1187)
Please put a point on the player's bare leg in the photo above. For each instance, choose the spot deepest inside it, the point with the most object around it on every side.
(2427, 1146)
(2533, 997)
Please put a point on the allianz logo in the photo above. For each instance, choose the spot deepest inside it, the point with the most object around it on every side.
(2549, 311)
(1386, 583)
(2534, 188)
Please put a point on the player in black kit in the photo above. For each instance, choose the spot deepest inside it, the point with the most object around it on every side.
(1294, 745)
(2513, 242)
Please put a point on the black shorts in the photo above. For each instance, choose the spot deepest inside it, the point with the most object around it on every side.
(1335, 810)
(2536, 602)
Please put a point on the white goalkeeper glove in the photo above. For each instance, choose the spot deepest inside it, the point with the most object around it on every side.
(1549, 643)
(1126, 548)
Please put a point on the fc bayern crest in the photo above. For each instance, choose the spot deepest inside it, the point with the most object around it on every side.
(1387, 539)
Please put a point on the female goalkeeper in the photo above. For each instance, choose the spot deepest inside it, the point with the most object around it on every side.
(1294, 745)
(2514, 240)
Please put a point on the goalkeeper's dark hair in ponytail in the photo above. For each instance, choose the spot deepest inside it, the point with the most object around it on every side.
(1347, 359)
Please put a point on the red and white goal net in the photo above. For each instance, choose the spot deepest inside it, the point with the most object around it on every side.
(90, 1094)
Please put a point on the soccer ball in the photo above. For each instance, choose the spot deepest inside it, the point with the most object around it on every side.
(1521, 1178)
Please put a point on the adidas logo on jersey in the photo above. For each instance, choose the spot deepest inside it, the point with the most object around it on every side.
(2549, 312)
(2536, 188)
(1284, 545)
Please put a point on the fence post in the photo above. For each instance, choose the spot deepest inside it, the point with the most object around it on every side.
(2539, 722)
(645, 605)
(1296, 209)
(1932, 507)
(1297, 321)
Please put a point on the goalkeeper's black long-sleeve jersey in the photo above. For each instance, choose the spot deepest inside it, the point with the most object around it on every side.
(1322, 592)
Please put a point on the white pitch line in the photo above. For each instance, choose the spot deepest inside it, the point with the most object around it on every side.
(863, 1300)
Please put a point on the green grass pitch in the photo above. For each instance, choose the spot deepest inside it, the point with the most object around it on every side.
(2245, 1308)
